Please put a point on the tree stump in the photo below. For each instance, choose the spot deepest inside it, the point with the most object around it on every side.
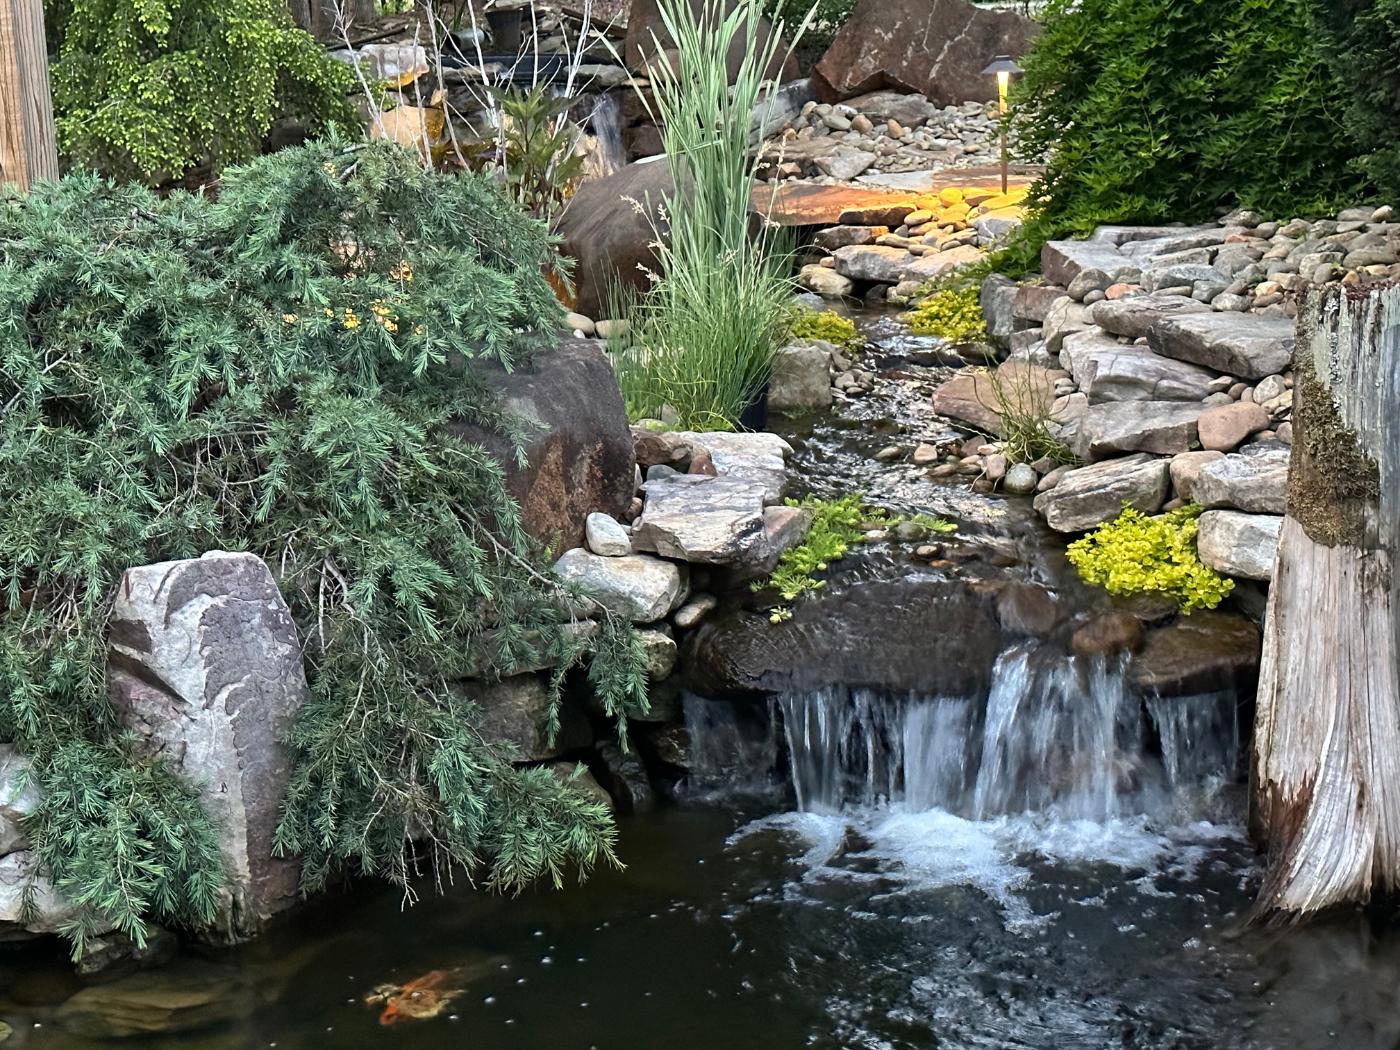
(1326, 774)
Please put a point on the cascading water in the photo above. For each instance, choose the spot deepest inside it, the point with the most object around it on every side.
(1057, 735)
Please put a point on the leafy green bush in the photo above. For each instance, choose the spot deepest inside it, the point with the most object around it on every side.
(826, 325)
(274, 371)
(836, 526)
(826, 19)
(703, 338)
(1360, 40)
(1138, 554)
(144, 89)
(951, 313)
(1157, 110)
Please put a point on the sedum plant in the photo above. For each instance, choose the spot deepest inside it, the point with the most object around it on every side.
(144, 90)
(279, 371)
(953, 313)
(1138, 554)
(826, 325)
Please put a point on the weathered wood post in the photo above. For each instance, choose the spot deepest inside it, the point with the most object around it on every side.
(1326, 776)
(27, 150)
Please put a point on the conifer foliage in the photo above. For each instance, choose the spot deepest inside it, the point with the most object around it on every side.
(272, 372)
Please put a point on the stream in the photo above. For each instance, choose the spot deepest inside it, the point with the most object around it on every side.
(1047, 862)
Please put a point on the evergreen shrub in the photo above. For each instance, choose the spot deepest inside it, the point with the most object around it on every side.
(1158, 111)
(273, 372)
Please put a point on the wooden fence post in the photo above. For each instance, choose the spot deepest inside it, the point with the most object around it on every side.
(27, 149)
(1326, 774)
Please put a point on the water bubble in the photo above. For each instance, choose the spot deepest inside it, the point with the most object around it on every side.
(490, 1000)
(547, 960)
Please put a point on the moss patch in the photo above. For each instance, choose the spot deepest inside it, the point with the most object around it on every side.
(1333, 485)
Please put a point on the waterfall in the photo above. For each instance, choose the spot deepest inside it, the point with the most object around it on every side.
(604, 153)
(1059, 735)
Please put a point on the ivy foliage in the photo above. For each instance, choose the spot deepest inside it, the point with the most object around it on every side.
(1158, 110)
(278, 371)
(1360, 41)
(1138, 554)
(144, 89)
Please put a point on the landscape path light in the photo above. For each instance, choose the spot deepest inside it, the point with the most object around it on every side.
(1005, 67)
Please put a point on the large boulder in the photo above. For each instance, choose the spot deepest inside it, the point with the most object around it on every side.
(205, 667)
(647, 37)
(1239, 544)
(1255, 480)
(1114, 427)
(638, 587)
(1200, 653)
(578, 446)
(937, 48)
(717, 521)
(609, 229)
(1089, 496)
(976, 397)
(1250, 346)
(801, 379)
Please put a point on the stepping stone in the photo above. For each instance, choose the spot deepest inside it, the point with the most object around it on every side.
(1249, 346)
(714, 521)
(1106, 370)
(1063, 261)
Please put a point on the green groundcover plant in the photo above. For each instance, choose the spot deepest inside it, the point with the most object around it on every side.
(1141, 554)
(144, 90)
(275, 372)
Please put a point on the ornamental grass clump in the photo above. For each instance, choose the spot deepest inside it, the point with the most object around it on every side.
(702, 339)
(280, 371)
(1138, 554)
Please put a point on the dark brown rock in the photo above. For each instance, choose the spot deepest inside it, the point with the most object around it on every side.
(1113, 632)
(1199, 653)
(579, 457)
(935, 47)
(608, 230)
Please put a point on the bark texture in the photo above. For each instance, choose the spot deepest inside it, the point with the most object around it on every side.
(1327, 732)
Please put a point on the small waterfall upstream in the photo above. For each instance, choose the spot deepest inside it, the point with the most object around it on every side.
(1057, 734)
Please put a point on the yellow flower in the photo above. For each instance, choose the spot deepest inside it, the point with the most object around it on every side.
(418, 329)
(330, 312)
(289, 318)
(351, 319)
(402, 272)
(379, 308)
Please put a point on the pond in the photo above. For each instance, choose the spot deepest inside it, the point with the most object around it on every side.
(1044, 862)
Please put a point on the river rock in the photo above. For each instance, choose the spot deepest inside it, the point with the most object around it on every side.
(692, 612)
(825, 281)
(1163, 427)
(19, 798)
(1201, 653)
(194, 996)
(1239, 544)
(1063, 261)
(205, 667)
(638, 587)
(937, 48)
(1250, 346)
(760, 457)
(625, 778)
(1021, 480)
(1133, 315)
(834, 237)
(1186, 467)
(1089, 496)
(876, 263)
(660, 649)
(801, 379)
(514, 713)
(1113, 372)
(1255, 481)
(1222, 427)
(578, 453)
(607, 536)
(1111, 632)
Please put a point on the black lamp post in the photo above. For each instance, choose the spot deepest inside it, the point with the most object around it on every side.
(1005, 67)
